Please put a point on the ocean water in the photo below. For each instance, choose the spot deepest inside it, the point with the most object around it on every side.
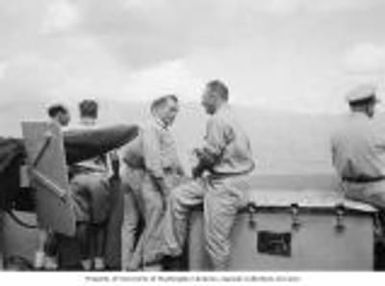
(283, 143)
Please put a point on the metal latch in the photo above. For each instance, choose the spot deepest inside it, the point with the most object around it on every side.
(252, 210)
(340, 213)
(295, 224)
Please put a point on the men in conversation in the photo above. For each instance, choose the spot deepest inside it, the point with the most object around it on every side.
(224, 163)
(153, 157)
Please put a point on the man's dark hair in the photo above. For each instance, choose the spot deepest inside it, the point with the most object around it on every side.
(88, 108)
(219, 87)
(162, 100)
(365, 101)
(55, 109)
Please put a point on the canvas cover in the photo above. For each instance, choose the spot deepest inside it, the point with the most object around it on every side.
(78, 145)
(49, 176)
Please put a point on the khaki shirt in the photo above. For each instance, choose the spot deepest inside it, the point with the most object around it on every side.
(226, 140)
(358, 148)
(154, 150)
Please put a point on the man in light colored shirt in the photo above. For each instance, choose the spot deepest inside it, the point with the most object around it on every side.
(221, 175)
(358, 149)
(151, 162)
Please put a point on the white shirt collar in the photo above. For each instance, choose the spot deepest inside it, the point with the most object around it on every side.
(159, 122)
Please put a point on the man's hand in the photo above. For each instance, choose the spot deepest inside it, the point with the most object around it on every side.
(205, 162)
(115, 165)
(197, 171)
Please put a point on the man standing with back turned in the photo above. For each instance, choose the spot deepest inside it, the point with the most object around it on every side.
(358, 149)
(91, 188)
(224, 163)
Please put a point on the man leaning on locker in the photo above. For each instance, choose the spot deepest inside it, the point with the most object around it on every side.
(221, 182)
(151, 168)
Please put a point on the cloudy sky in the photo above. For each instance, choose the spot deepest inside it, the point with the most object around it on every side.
(296, 55)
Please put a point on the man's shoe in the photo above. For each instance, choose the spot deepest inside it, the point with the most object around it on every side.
(171, 263)
(99, 264)
(86, 264)
(39, 260)
(50, 263)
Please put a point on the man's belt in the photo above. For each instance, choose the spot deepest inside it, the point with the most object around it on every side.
(166, 170)
(363, 179)
(169, 170)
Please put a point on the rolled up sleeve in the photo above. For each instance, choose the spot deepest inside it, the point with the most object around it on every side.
(217, 137)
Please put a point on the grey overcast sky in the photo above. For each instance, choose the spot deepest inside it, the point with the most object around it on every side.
(296, 55)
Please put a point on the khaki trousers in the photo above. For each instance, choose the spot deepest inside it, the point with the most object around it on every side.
(221, 198)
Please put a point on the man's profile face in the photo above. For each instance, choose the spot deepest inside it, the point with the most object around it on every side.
(209, 101)
(169, 111)
(64, 118)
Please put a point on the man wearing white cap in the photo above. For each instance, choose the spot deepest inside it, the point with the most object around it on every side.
(358, 149)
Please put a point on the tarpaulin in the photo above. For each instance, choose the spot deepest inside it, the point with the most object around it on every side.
(79, 144)
(83, 144)
(12, 154)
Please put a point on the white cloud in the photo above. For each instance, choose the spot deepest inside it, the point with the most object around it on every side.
(127, 49)
(276, 6)
(3, 68)
(169, 77)
(293, 6)
(339, 5)
(366, 58)
(266, 6)
(141, 4)
(61, 15)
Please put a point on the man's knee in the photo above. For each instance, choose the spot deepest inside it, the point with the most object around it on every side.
(153, 203)
(155, 206)
(224, 199)
(178, 200)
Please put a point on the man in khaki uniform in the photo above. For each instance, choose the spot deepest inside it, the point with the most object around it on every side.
(358, 149)
(154, 159)
(91, 189)
(225, 160)
(60, 116)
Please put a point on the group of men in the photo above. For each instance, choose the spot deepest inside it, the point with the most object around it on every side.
(161, 194)
(166, 195)
(91, 191)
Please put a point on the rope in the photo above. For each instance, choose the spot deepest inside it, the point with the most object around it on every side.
(19, 221)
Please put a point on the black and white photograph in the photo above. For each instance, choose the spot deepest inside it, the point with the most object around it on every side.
(171, 137)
